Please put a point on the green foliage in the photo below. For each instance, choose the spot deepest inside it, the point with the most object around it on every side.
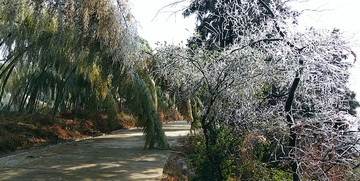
(110, 108)
(353, 103)
(280, 175)
(66, 55)
(150, 84)
(232, 156)
(163, 99)
(60, 49)
(217, 160)
(140, 102)
(212, 163)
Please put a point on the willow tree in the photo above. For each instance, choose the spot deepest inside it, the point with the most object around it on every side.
(63, 39)
(65, 53)
(273, 80)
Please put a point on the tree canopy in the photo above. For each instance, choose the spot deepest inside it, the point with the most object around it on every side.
(219, 31)
(68, 54)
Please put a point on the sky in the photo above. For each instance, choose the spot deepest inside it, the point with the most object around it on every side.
(329, 14)
(169, 25)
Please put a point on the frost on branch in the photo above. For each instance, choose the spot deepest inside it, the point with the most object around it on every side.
(247, 85)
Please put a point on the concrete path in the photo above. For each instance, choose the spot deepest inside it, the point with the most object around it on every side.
(118, 156)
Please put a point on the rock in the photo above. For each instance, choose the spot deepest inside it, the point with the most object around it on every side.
(177, 164)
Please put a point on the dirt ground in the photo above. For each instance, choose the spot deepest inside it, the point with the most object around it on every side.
(24, 131)
(117, 156)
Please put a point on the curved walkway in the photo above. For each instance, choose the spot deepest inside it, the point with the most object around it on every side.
(117, 156)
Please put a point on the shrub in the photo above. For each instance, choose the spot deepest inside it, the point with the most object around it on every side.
(233, 156)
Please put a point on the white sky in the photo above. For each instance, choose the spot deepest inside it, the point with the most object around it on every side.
(166, 26)
(342, 14)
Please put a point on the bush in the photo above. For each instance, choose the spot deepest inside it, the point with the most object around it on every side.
(111, 110)
(214, 161)
(232, 156)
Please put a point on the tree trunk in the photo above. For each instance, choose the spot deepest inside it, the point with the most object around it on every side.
(289, 120)
(60, 92)
(5, 81)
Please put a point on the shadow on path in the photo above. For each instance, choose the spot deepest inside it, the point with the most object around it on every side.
(118, 156)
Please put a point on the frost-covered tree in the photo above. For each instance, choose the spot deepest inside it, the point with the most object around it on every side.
(216, 30)
(287, 85)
